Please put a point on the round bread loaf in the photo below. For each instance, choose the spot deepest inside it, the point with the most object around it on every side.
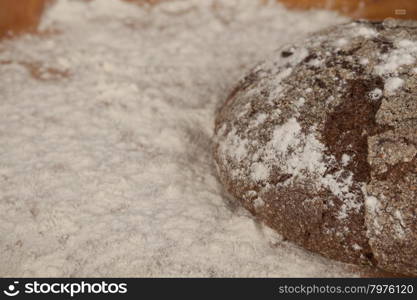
(319, 142)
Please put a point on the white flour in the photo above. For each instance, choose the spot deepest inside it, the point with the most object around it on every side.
(105, 132)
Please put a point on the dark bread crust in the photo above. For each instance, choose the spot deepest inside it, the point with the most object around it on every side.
(313, 181)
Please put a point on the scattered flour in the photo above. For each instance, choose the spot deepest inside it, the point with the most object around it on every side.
(259, 172)
(235, 147)
(300, 102)
(341, 42)
(345, 159)
(260, 119)
(285, 136)
(258, 202)
(376, 94)
(302, 156)
(105, 136)
(399, 225)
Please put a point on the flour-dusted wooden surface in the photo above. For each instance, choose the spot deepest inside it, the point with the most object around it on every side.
(24, 15)
(105, 142)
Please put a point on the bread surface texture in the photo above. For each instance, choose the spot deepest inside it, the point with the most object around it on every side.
(319, 142)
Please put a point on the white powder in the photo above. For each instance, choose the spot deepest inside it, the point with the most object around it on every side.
(393, 84)
(259, 172)
(300, 102)
(366, 32)
(290, 145)
(234, 147)
(330, 99)
(285, 136)
(341, 42)
(371, 204)
(260, 119)
(258, 202)
(107, 169)
(287, 63)
(307, 157)
(340, 187)
(400, 218)
(345, 159)
(302, 156)
(399, 225)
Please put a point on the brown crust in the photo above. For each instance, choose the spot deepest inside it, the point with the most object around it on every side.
(291, 203)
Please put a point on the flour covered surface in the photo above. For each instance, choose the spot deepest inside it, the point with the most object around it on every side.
(105, 141)
(319, 143)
